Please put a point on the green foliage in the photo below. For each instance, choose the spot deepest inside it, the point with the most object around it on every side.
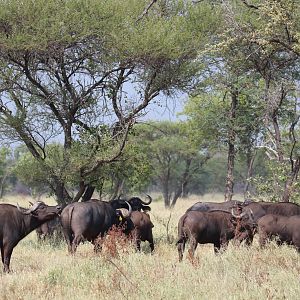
(41, 24)
(208, 118)
(4, 154)
(272, 185)
(6, 165)
(173, 155)
(35, 173)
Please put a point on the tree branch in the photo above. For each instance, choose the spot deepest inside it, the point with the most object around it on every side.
(98, 163)
(146, 10)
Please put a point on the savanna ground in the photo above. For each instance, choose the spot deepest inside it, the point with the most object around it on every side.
(47, 271)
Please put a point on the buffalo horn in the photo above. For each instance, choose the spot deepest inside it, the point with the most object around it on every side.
(130, 209)
(147, 203)
(29, 210)
(126, 213)
(23, 211)
(238, 216)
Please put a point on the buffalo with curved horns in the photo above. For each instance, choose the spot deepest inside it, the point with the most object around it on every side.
(215, 227)
(136, 203)
(89, 220)
(16, 223)
(251, 213)
(259, 209)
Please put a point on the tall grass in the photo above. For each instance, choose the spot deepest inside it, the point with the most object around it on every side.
(41, 271)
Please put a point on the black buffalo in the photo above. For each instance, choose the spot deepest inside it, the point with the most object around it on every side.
(208, 206)
(16, 223)
(215, 227)
(136, 203)
(259, 209)
(285, 229)
(142, 229)
(251, 213)
(90, 220)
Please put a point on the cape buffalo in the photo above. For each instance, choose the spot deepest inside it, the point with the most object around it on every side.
(90, 220)
(259, 209)
(16, 223)
(136, 203)
(142, 229)
(208, 206)
(251, 213)
(216, 227)
(286, 229)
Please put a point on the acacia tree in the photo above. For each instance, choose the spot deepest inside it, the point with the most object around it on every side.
(81, 72)
(267, 36)
(227, 124)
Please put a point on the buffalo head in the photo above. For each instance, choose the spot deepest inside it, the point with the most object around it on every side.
(124, 220)
(41, 211)
(136, 203)
(245, 227)
(123, 213)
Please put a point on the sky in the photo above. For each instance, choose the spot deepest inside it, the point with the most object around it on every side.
(166, 109)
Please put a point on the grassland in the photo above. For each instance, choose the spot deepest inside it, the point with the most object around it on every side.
(45, 271)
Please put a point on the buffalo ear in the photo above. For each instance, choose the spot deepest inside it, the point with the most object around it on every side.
(146, 208)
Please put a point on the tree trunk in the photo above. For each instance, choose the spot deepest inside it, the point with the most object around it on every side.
(250, 162)
(290, 183)
(118, 186)
(231, 147)
(166, 196)
(2, 185)
(61, 193)
(88, 193)
(277, 136)
(183, 182)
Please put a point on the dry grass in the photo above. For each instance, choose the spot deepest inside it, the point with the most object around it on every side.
(41, 271)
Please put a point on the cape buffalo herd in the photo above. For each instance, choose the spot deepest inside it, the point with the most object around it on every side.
(217, 223)
(202, 223)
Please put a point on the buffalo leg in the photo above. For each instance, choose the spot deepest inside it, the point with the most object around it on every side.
(151, 242)
(262, 239)
(75, 243)
(193, 247)
(2, 254)
(138, 244)
(296, 241)
(7, 252)
(180, 248)
(69, 239)
(217, 247)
